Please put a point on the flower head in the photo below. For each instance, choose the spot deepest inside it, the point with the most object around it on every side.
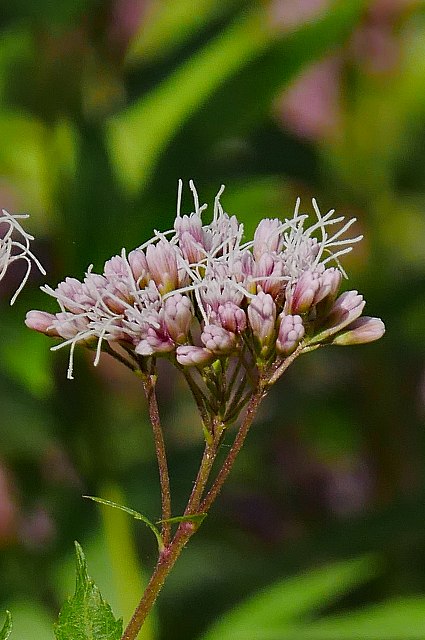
(198, 293)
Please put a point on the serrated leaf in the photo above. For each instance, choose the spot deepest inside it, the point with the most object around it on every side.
(86, 616)
(131, 512)
(7, 627)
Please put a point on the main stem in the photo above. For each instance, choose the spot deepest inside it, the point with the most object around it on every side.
(171, 552)
(149, 383)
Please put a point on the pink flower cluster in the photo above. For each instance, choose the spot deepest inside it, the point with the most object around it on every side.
(199, 292)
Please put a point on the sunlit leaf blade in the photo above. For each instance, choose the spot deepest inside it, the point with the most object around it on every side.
(267, 75)
(402, 619)
(168, 24)
(280, 606)
(137, 136)
(7, 627)
(86, 616)
(133, 513)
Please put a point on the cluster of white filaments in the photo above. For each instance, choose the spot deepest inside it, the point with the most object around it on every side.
(198, 293)
(14, 246)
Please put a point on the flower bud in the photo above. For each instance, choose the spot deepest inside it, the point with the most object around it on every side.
(303, 293)
(41, 321)
(330, 281)
(161, 259)
(139, 267)
(361, 331)
(217, 339)
(272, 268)
(178, 314)
(291, 331)
(190, 356)
(231, 317)
(347, 308)
(267, 237)
(262, 318)
(72, 294)
(156, 340)
(191, 237)
(68, 325)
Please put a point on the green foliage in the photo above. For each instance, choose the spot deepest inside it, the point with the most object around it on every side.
(170, 24)
(136, 515)
(7, 627)
(284, 611)
(86, 616)
(198, 518)
(401, 619)
(136, 137)
(277, 608)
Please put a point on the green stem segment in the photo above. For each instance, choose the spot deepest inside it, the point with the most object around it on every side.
(196, 504)
(186, 529)
(149, 383)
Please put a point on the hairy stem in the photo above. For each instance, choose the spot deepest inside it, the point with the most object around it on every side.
(149, 382)
(196, 503)
(207, 462)
(163, 567)
(171, 552)
(251, 411)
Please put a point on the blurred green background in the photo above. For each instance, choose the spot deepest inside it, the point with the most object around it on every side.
(104, 105)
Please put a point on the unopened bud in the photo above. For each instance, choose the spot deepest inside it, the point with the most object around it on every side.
(161, 259)
(217, 339)
(139, 267)
(231, 317)
(41, 321)
(190, 356)
(304, 292)
(330, 281)
(361, 331)
(347, 308)
(262, 318)
(178, 313)
(267, 237)
(291, 331)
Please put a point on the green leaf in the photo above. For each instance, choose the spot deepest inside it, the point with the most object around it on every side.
(131, 512)
(30, 620)
(198, 518)
(169, 24)
(248, 58)
(402, 619)
(7, 627)
(126, 574)
(137, 136)
(86, 616)
(278, 607)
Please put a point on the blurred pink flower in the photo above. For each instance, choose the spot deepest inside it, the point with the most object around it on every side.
(311, 107)
(289, 14)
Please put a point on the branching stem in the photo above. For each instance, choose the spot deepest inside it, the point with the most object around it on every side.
(197, 504)
(149, 384)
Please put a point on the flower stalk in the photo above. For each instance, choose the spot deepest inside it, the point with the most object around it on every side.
(232, 316)
(149, 384)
